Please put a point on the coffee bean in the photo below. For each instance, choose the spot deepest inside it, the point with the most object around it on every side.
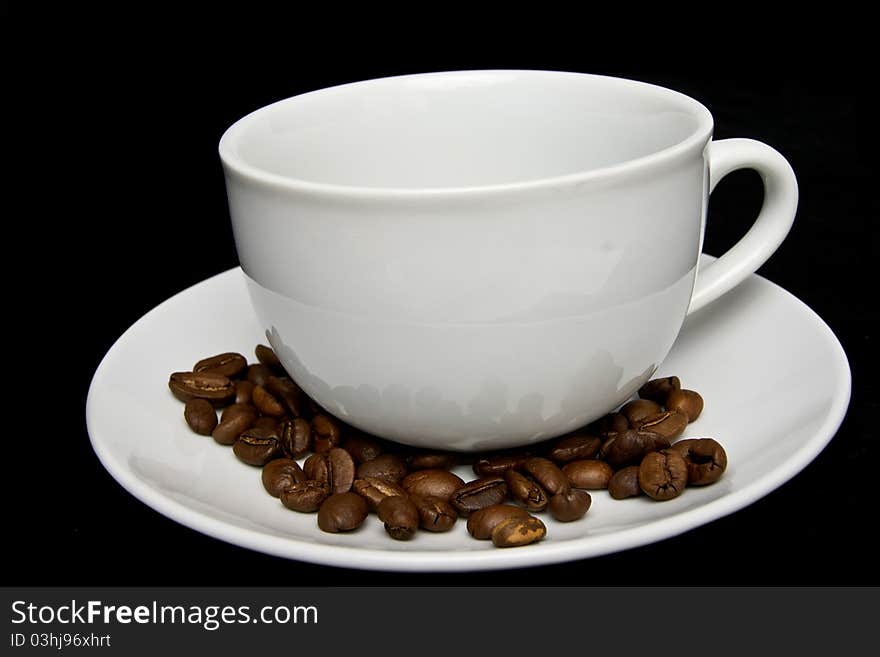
(435, 514)
(625, 483)
(362, 447)
(516, 532)
(234, 410)
(481, 523)
(305, 496)
(526, 491)
(497, 464)
(658, 389)
(611, 422)
(216, 388)
(437, 483)
(266, 402)
(326, 433)
(574, 447)
(268, 423)
(432, 461)
(230, 365)
(244, 391)
(342, 512)
(258, 374)
(374, 490)
(389, 467)
(257, 446)
(233, 422)
(477, 494)
(570, 505)
(669, 424)
(268, 358)
(296, 436)
(588, 474)
(546, 473)
(630, 446)
(334, 467)
(705, 458)
(342, 469)
(289, 395)
(638, 409)
(280, 474)
(685, 401)
(663, 475)
(400, 516)
(200, 416)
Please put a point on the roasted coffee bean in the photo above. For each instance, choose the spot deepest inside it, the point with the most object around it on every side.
(435, 514)
(342, 512)
(305, 496)
(546, 473)
(516, 532)
(342, 469)
(437, 483)
(362, 447)
(268, 358)
(658, 389)
(216, 388)
(234, 410)
(705, 458)
(497, 464)
(588, 474)
(431, 461)
(477, 494)
(663, 475)
(268, 423)
(326, 433)
(200, 416)
(481, 523)
(233, 422)
(669, 424)
(574, 447)
(630, 446)
(290, 395)
(244, 391)
(611, 422)
(334, 467)
(230, 365)
(400, 516)
(638, 409)
(266, 402)
(625, 483)
(570, 505)
(374, 490)
(257, 446)
(281, 474)
(258, 374)
(526, 491)
(685, 401)
(296, 437)
(389, 467)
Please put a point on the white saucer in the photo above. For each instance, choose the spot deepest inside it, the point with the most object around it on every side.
(775, 380)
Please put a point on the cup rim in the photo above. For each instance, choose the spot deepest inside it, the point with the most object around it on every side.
(697, 139)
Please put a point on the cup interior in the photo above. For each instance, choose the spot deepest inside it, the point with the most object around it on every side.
(463, 129)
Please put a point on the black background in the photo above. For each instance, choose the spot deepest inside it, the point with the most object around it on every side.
(118, 186)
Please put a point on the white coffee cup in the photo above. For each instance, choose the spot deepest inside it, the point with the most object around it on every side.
(474, 260)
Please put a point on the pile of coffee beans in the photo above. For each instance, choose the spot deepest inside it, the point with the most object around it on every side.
(314, 463)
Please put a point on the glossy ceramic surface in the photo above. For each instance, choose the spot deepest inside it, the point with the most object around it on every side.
(481, 259)
(775, 381)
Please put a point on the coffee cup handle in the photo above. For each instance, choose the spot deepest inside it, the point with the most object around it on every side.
(770, 228)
